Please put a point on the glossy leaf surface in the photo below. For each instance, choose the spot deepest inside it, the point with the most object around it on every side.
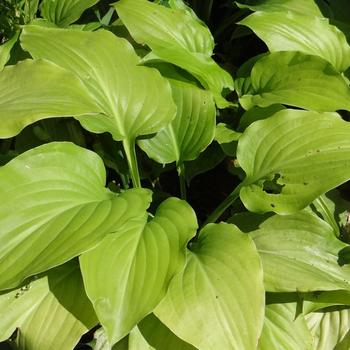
(176, 36)
(290, 31)
(52, 312)
(214, 303)
(296, 79)
(292, 158)
(300, 253)
(64, 12)
(139, 261)
(55, 206)
(134, 100)
(37, 89)
(190, 132)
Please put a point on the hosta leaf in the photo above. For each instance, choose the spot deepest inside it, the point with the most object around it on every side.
(330, 328)
(137, 342)
(296, 79)
(300, 253)
(176, 36)
(139, 262)
(159, 336)
(64, 12)
(37, 89)
(292, 158)
(55, 206)
(6, 48)
(51, 312)
(303, 6)
(190, 132)
(215, 302)
(135, 100)
(290, 31)
(283, 329)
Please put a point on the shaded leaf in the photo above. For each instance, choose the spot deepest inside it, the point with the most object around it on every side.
(296, 79)
(292, 158)
(54, 204)
(139, 261)
(215, 303)
(58, 298)
(6, 48)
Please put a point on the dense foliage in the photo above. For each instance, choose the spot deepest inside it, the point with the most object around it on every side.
(110, 113)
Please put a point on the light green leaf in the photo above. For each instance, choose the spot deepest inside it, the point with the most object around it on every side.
(300, 253)
(225, 134)
(176, 36)
(291, 31)
(215, 303)
(139, 261)
(134, 100)
(303, 6)
(190, 132)
(329, 328)
(5, 50)
(51, 312)
(296, 79)
(292, 158)
(283, 329)
(55, 206)
(159, 336)
(64, 12)
(37, 89)
(137, 341)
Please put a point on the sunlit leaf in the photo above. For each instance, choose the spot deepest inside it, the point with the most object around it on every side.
(292, 158)
(176, 36)
(217, 301)
(190, 132)
(51, 312)
(54, 206)
(296, 79)
(5, 50)
(292, 31)
(139, 261)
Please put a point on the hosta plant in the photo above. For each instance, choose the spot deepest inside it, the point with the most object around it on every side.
(124, 125)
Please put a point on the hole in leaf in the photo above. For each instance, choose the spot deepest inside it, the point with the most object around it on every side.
(272, 186)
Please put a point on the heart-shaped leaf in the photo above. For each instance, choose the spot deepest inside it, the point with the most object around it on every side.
(190, 132)
(293, 31)
(283, 329)
(303, 6)
(135, 100)
(37, 89)
(139, 261)
(178, 37)
(215, 303)
(296, 79)
(300, 253)
(55, 206)
(64, 12)
(290, 159)
(57, 297)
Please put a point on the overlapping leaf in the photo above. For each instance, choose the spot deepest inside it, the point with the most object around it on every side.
(37, 89)
(215, 302)
(64, 12)
(291, 31)
(54, 206)
(52, 312)
(284, 329)
(300, 253)
(139, 262)
(292, 158)
(190, 132)
(176, 36)
(296, 79)
(135, 100)
(5, 50)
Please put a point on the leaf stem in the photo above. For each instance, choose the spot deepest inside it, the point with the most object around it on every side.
(182, 179)
(215, 215)
(129, 148)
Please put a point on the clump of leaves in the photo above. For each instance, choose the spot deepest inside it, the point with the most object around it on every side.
(104, 124)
